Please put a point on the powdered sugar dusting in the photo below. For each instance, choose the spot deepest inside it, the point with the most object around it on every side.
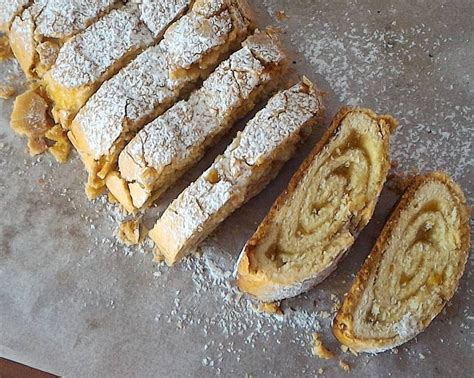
(10, 8)
(175, 140)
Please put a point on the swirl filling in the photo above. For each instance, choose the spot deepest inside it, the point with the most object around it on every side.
(327, 204)
(413, 270)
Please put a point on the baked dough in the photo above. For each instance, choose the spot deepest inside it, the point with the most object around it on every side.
(144, 89)
(328, 202)
(9, 10)
(38, 32)
(91, 57)
(249, 163)
(161, 152)
(412, 271)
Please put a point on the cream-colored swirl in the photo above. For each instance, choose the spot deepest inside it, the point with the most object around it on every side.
(328, 202)
(414, 268)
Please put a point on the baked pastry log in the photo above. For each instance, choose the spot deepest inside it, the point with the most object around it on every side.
(9, 10)
(144, 89)
(91, 57)
(161, 152)
(412, 271)
(249, 163)
(327, 203)
(40, 30)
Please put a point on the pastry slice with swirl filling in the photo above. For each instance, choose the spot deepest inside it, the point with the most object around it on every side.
(327, 203)
(413, 270)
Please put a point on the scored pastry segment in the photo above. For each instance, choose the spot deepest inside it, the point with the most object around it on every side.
(160, 153)
(134, 97)
(40, 30)
(249, 163)
(412, 271)
(329, 200)
(93, 56)
(200, 33)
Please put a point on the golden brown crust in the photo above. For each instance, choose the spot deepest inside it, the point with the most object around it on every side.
(259, 285)
(343, 323)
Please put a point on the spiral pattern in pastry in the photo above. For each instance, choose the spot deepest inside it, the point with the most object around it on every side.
(328, 202)
(413, 270)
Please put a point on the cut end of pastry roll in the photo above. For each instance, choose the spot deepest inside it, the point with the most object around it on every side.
(327, 203)
(249, 163)
(412, 271)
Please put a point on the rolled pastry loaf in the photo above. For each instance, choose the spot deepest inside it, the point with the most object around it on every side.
(248, 164)
(161, 152)
(412, 271)
(328, 202)
(145, 89)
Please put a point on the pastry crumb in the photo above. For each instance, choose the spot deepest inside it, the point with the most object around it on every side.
(344, 366)
(5, 50)
(30, 118)
(7, 92)
(36, 146)
(61, 146)
(280, 15)
(344, 348)
(270, 308)
(131, 232)
(318, 348)
(320, 371)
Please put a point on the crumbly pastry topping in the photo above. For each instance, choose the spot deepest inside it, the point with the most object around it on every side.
(178, 134)
(204, 29)
(204, 200)
(9, 9)
(133, 93)
(85, 58)
(62, 18)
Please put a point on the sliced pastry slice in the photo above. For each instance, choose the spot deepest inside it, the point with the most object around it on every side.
(161, 152)
(142, 91)
(91, 57)
(9, 9)
(40, 30)
(412, 271)
(249, 163)
(328, 202)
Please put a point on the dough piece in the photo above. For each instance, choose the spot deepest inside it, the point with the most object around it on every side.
(93, 56)
(328, 202)
(178, 139)
(319, 349)
(249, 163)
(9, 10)
(132, 232)
(30, 118)
(412, 271)
(38, 32)
(135, 96)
